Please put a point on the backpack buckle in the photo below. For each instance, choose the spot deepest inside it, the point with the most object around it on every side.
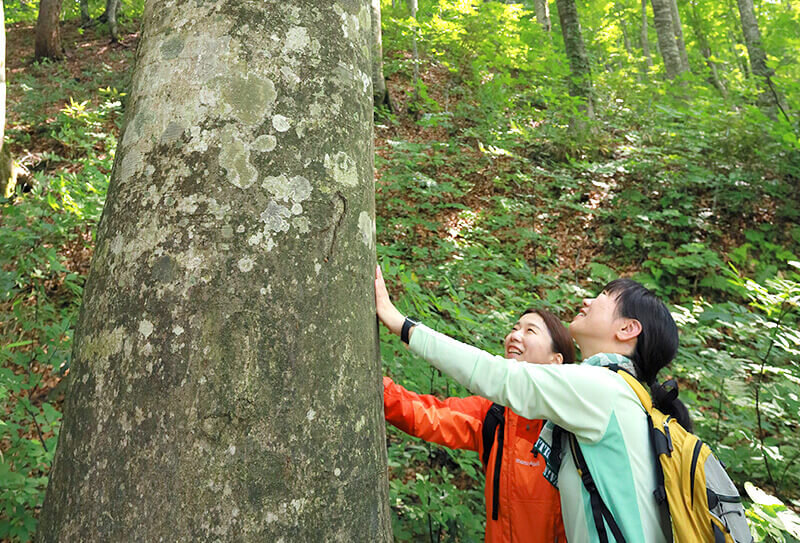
(588, 482)
(661, 495)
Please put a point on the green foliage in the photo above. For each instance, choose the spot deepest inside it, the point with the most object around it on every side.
(42, 235)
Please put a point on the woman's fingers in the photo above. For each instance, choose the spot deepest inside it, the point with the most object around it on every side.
(387, 313)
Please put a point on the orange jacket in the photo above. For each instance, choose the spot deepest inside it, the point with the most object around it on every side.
(529, 507)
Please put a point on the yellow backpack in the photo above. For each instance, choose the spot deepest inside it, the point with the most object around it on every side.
(704, 505)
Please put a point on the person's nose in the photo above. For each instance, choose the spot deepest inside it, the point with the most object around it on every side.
(515, 335)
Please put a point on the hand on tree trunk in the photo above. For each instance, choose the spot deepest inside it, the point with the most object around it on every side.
(387, 312)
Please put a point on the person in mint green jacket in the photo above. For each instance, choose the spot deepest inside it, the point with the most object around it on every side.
(625, 325)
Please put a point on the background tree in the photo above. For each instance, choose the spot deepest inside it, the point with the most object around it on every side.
(379, 91)
(48, 30)
(770, 96)
(645, 37)
(662, 20)
(580, 70)
(677, 28)
(6, 163)
(697, 24)
(108, 16)
(225, 379)
(542, 10)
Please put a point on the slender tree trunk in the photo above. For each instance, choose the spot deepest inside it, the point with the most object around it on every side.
(225, 380)
(645, 37)
(380, 94)
(542, 10)
(111, 17)
(735, 38)
(581, 75)
(662, 20)
(625, 37)
(412, 6)
(677, 28)
(84, 7)
(700, 35)
(48, 31)
(6, 163)
(770, 95)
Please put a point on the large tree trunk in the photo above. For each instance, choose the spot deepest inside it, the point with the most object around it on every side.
(677, 28)
(379, 92)
(581, 75)
(662, 20)
(48, 31)
(225, 380)
(542, 10)
(770, 97)
(645, 37)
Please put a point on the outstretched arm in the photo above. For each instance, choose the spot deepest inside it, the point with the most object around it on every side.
(453, 422)
(571, 396)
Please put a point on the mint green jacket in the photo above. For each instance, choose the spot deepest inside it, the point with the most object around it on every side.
(595, 404)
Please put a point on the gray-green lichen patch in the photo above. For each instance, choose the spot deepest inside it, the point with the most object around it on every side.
(171, 47)
(234, 157)
(296, 40)
(366, 227)
(250, 97)
(265, 143)
(342, 168)
(281, 123)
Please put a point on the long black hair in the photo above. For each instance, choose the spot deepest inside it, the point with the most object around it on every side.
(656, 345)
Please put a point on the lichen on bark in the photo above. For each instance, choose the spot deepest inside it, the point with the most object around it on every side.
(226, 382)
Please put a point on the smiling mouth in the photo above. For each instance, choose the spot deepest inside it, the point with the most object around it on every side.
(513, 351)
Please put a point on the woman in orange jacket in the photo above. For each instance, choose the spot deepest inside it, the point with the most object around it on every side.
(520, 504)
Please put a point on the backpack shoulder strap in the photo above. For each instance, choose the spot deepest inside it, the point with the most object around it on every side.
(600, 511)
(495, 417)
(494, 422)
(638, 388)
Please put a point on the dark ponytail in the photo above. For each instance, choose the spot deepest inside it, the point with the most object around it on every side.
(656, 345)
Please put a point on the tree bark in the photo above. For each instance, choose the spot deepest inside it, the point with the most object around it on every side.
(645, 37)
(625, 38)
(705, 49)
(84, 8)
(225, 378)
(581, 75)
(379, 92)
(111, 17)
(48, 31)
(677, 28)
(662, 20)
(412, 6)
(6, 164)
(542, 10)
(769, 97)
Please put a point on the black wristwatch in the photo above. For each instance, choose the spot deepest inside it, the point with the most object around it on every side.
(407, 325)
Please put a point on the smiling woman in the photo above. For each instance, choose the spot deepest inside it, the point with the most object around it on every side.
(539, 337)
(520, 504)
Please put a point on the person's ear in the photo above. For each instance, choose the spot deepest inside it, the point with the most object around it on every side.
(557, 358)
(630, 330)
